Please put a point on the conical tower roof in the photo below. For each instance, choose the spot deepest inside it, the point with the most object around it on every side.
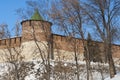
(36, 15)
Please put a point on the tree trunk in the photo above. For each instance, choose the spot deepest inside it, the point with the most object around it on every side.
(77, 66)
(87, 62)
(111, 62)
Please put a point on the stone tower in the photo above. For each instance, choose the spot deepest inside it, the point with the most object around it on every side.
(36, 28)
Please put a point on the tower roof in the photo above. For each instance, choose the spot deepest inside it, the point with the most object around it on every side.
(36, 15)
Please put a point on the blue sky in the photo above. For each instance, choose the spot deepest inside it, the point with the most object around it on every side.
(7, 11)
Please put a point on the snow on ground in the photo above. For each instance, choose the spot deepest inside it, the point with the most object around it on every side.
(31, 74)
(30, 77)
(4, 67)
(117, 77)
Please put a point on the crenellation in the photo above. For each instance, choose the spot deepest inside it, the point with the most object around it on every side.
(11, 42)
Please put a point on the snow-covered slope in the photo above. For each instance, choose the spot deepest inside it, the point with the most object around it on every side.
(59, 70)
(117, 77)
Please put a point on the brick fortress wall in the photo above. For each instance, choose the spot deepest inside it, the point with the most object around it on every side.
(62, 47)
(11, 42)
(68, 44)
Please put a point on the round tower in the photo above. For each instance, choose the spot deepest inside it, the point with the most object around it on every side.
(36, 28)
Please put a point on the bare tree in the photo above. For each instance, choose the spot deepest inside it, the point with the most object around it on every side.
(104, 15)
(3, 30)
(11, 51)
(68, 15)
(17, 29)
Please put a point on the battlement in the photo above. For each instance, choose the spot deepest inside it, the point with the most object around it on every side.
(67, 43)
(11, 42)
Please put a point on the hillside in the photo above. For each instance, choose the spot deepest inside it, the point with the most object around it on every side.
(63, 70)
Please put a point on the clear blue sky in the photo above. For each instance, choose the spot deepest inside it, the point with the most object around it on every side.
(7, 11)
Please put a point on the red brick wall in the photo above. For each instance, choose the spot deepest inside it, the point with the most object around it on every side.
(12, 42)
(35, 28)
(67, 43)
